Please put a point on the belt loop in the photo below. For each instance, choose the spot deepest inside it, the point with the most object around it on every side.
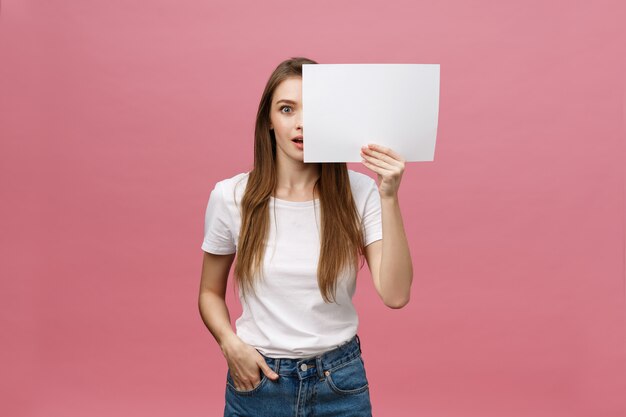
(319, 366)
(277, 365)
(358, 341)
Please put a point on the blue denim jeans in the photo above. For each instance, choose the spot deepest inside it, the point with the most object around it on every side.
(333, 383)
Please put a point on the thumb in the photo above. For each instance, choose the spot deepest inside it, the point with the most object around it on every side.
(268, 371)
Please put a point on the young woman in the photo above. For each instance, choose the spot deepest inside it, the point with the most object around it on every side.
(299, 231)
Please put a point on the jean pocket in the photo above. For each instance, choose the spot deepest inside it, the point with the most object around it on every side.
(348, 378)
(231, 384)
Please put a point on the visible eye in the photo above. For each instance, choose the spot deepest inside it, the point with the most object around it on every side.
(284, 107)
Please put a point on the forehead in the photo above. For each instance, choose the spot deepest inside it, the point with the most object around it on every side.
(289, 89)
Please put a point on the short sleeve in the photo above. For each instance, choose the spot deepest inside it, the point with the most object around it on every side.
(218, 237)
(372, 214)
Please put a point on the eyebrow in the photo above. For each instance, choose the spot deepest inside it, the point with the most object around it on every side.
(286, 101)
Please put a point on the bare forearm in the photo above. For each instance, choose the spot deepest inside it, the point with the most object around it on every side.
(396, 267)
(215, 316)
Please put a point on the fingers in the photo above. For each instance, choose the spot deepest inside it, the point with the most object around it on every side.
(267, 370)
(386, 150)
(377, 162)
(375, 155)
(247, 383)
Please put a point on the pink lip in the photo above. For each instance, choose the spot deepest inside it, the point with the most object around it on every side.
(298, 137)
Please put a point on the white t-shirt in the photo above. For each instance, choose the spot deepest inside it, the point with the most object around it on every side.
(288, 317)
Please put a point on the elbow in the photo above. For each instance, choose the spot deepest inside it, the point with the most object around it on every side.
(397, 303)
(400, 296)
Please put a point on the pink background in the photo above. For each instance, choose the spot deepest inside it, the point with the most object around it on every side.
(117, 118)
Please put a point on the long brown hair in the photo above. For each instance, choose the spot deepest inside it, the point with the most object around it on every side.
(341, 237)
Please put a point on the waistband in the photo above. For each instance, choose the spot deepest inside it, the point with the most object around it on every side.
(316, 365)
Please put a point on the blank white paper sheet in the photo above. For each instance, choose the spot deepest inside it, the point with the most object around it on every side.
(346, 106)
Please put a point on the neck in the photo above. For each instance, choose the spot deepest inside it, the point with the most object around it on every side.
(293, 178)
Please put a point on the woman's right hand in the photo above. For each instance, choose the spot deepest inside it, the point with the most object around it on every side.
(244, 362)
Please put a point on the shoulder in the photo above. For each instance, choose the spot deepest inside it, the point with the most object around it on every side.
(233, 183)
(231, 189)
(360, 183)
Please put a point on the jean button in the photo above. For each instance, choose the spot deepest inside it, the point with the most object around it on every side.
(303, 367)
